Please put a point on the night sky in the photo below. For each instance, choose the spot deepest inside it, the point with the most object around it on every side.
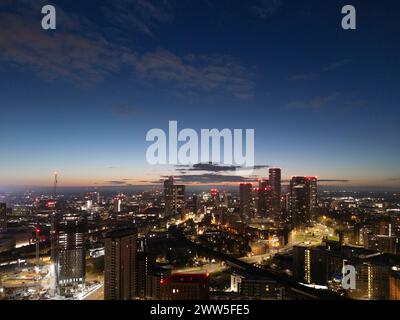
(80, 99)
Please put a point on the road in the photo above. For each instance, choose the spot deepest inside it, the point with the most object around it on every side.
(207, 268)
(96, 294)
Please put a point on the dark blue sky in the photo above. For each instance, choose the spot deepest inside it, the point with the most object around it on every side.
(80, 99)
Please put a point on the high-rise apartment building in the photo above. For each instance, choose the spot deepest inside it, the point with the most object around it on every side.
(120, 265)
(275, 183)
(174, 196)
(70, 252)
(246, 201)
(264, 198)
(3, 218)
(303, 199)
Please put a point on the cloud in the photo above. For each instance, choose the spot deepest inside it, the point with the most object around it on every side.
(266, 8)
(68, 53)
(324, 180)
(313, 75)
(210, 167)
(207, 167)
(209, 178)
(199, 73)
(335, 65)
(114, 182)
(126, 111)
(343, 100)
(143, 16)
(77, 53)
(304, 76)
(318, 102)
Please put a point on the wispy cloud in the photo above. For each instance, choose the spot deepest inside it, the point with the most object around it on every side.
(116, 182)
(318, 102)
(200, 72)
(210, 178)
(210, 167)
(76, 52)
(142, 16)
(70, 53)
(343, 100)
(304, 76)
(126, 111)
(316, 74)
(335, 65)
(266, 8)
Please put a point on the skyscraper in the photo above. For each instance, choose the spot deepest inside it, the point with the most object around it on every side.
(3, 218)
(70, 253)
(117, 204)
(215, 198)
(174, 196)
(246, 201)
(120, 265)
(264, 198)
(303, 199)
(144, 262)
(275, 183)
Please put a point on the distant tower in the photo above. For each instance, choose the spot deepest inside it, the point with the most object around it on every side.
(275, 183)
(117, 204)
(303, 199)
(246, 203)
(3, 218)
(264, 198)
(174, 197)
(55, 184)
(37, 234)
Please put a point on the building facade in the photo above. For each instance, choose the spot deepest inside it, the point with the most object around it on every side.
(3, 218)
(70, 252)
(185, 287)
(174, 197)
(120, 265)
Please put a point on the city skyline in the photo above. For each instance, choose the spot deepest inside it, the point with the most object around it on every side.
(80, 99)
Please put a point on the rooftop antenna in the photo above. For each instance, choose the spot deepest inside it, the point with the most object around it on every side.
(55, 184)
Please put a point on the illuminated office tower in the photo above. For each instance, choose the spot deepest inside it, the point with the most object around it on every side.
(117, 204)
(312, 186)
(275, 183)
(174, 196)
(264, 198)
(70, 253)
(120, 265)
(246, 201)
(215, 198)
(303, 199)
(3, 218)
